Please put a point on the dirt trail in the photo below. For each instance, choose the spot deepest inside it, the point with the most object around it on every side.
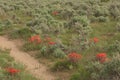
(33, 66)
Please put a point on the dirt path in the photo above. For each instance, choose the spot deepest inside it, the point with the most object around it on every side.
(33, 66)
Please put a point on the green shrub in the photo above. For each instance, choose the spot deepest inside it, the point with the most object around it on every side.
(5, 59)
(93, 19)
(114, 9)
(111, 70)
(114, 48)
(64, 65)
(44, 51)
(48, 50)
(58, 53)
(7, 22)
(23, 33)
(94, 68)
(82, 74)
(61, 65)
(118, 27)
(105, 0)
(103, 19)
(107, 71)
(118, 18)
(31, 46)
(4, 28)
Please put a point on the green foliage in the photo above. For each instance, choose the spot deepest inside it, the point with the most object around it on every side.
(82, 74)
(5, 59)
(118, 27)
(23, 33)
(4, 26)
(106, 71)
(80, 24)
(58, 53)
(43, 51)
(114, 9)
(52, 51)
(63, 65)
(103, 19)
(31, 46)
(105, 0)
(114, 48)
(111, 70)
(95, 69)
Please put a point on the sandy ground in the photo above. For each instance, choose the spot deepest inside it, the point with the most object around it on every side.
(32, 65)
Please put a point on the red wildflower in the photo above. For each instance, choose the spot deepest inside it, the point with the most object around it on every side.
(35, 38)
(74, 56)
(32, 39)
(101, 57)
(38, 40)
(51, 43)
(12, 70)
(55, 13)
(95, 40)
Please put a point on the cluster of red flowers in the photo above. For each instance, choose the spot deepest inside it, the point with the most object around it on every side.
(74, 57)
(49, 41)
(101, 57)
(35, 38)
(12, 71)
(55, 13)
(95, 40)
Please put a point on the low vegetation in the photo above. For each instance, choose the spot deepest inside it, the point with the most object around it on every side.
(80, 38)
